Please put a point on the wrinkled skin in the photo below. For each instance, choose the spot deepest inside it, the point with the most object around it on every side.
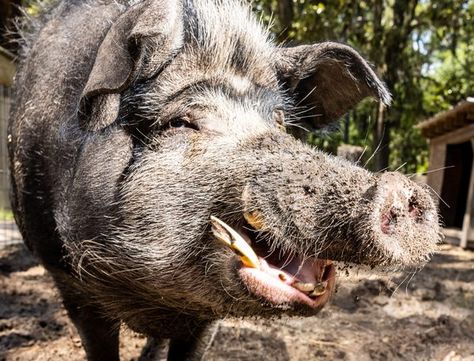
(132, 125)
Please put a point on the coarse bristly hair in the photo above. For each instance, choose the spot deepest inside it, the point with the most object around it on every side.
(215, 26)
(121, 151)
(214, 50)
(226, 30)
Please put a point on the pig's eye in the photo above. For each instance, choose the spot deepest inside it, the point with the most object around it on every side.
(178, 122)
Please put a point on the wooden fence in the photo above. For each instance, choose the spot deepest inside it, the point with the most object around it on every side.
(8, 231)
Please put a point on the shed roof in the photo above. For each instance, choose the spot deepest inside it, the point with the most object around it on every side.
(445, 122)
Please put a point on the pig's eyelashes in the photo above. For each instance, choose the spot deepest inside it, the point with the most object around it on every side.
(180, 123)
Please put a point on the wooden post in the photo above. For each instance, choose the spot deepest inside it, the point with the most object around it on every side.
(467, 221)
(7, 68)
(4, 179)
(437, 161)
(7, 71)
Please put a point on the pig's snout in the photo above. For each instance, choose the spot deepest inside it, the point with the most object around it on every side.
(401, 203)
(335, 210)
(404, 221)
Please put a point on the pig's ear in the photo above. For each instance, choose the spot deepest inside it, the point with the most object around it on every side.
(122, 59)
(327, 79)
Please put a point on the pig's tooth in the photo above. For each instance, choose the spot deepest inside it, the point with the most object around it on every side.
(234, 240)
(254, 219)
(319, 289)
(221, 233)
(282, 277)
(304, 287)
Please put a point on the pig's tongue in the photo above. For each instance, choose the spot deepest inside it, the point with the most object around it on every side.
(309, 276)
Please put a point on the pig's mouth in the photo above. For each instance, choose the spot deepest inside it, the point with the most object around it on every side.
(280, 278)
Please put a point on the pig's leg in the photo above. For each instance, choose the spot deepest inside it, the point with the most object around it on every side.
(154, 350)
(99, 336)
(193, 345)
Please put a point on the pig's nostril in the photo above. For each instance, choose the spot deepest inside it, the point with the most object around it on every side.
(414, 210)
(388, 219)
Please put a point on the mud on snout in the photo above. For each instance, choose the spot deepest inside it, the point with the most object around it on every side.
(290, 233)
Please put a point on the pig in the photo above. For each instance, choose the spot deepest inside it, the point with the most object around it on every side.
(155, 175)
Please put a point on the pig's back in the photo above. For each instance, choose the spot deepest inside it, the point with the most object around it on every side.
(43, 132)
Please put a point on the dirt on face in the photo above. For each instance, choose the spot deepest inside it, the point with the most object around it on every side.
(424, 316)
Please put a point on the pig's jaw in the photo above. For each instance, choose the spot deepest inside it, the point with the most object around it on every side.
(281, 280)
(279, 287)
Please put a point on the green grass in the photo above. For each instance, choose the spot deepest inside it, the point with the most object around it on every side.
(6, 214)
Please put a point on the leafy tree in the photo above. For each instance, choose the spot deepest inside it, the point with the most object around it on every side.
(421, 48)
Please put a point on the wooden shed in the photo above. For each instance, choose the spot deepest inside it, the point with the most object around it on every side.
(7, 71)
(450, 173)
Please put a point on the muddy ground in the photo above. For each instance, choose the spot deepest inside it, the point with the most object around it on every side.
(426, 316)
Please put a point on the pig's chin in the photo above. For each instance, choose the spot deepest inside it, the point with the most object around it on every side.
(281, 279)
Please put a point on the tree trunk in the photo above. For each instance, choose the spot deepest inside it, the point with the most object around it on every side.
(346, 128)
(381, 140)
(285, 14)
(396, 41)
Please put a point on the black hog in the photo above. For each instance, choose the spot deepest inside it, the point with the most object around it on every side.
(153, 177)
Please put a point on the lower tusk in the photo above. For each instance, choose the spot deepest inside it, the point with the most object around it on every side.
(319, 289)
(234, 241)
(304, 287)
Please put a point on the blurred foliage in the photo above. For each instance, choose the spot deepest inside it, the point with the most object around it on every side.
(34, 8)
(423, 49)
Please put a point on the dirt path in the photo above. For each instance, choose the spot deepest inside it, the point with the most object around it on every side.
(431, 317)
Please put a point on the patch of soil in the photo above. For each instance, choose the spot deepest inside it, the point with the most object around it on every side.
(428, 315)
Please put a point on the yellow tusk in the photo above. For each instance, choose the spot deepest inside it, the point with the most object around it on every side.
(304, 287)
(234, 240)
(319, 289)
